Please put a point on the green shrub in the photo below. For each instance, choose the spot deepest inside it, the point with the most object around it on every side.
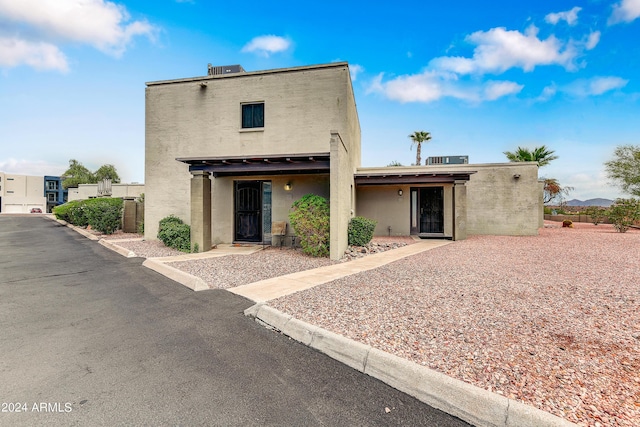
(78, 214)
(104, 214)
(624, 213)
(360, 230)
(171, 219)
(73, 212)
(310, 221)
(174, 233)
(63, 212)
(596, 214)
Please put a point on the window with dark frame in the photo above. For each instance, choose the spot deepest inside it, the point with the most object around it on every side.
(253, 115)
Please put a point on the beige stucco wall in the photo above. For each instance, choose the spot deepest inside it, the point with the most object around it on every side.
(496, 202)
(86, 191)
(184, 119)
(382, 203)
(20, 193)
(500, 204)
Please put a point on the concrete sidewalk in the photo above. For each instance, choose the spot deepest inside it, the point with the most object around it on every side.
(276, 287)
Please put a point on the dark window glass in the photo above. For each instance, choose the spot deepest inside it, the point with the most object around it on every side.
(252, 115)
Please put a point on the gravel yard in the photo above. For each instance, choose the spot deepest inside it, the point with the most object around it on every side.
(551, 320)
(236, 270)
(149, 249)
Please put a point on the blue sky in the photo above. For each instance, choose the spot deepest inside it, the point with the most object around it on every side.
(482, 79)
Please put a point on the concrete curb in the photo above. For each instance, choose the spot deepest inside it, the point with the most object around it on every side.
(465, 401)
(83, 232)
(119, 249)
(73, 227)
(185, 279)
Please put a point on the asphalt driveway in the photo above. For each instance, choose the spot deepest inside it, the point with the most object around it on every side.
(92, 338)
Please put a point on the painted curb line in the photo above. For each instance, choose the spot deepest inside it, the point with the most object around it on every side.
(455, 397)
(119, 249)
(185, 279)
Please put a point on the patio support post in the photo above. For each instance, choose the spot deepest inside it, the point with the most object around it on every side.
(459, 210)
(200, 211)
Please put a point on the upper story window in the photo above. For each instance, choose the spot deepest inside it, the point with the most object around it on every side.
(253, 115)
(52, 185)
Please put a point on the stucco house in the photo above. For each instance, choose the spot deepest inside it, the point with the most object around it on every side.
(231, 151)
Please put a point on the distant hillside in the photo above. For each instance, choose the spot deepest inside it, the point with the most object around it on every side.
(605, 203)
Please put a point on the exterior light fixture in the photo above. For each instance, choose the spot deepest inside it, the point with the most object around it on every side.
(516, 176)
(287, 186)
(400, 192)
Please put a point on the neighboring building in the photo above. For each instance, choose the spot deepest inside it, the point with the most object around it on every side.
(229, 154)
(21, 193)
(89, 191)
(54, 192)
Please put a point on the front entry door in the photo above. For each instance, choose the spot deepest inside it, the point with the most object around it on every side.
(248, 211)
(427, 211)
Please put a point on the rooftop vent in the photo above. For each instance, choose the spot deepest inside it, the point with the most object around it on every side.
(448, 160)
(224, 69)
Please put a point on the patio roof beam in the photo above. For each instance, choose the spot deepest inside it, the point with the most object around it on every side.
(436, 178)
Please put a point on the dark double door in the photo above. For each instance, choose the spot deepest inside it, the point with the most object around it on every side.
(427, 211)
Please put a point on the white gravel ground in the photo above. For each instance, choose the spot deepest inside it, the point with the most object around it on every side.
(236, 270)
(148, 249)
(550, 320)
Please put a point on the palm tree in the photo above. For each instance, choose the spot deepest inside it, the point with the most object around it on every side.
(541, 154)
(417, 138)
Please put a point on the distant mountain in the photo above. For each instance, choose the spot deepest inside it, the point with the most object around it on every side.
(605, 203)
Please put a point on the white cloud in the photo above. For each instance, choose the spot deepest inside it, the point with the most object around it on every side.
(31, 167)
(547, 93)
(431, 86)
(266, 45)
(592, 40)
(98, 23)
(594, 86)
(39, 55)
(600, 85)
(499, 49)
(583, 88)
(354, 70)
(570, 16)
(494, 90)
(625, 11)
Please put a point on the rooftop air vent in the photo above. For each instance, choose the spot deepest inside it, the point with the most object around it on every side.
(224, 69)
(448, 160)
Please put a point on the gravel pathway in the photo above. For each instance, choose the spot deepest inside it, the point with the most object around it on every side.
(149, 249)
(550, 320)
(236, 270)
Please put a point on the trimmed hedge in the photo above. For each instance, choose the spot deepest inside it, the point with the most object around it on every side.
(360, 230)
(103, 214)
(174, 233)
(310, 220)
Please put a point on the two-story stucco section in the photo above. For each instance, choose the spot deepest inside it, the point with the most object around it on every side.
(230, 153)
